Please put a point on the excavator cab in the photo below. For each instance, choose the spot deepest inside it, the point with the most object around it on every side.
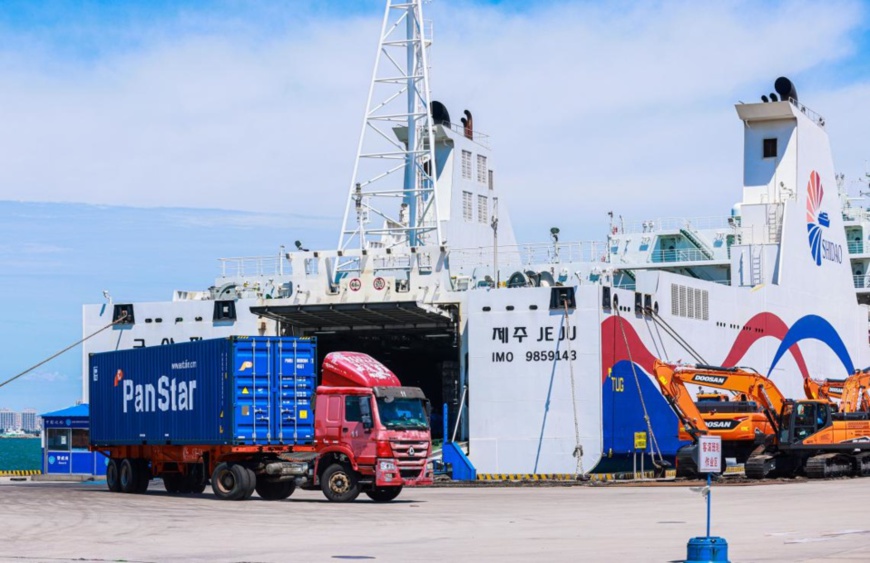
(801, 419)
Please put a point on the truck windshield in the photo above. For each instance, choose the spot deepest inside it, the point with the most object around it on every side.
(407, 414)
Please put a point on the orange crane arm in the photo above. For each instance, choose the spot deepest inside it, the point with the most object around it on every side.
(681, 401)
(855, 393)
(823, 390)
(761, 389)
(673, 379)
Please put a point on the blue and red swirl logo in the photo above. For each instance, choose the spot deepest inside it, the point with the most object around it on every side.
(816, 220)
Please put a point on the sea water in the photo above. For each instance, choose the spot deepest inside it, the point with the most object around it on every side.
(20, 453)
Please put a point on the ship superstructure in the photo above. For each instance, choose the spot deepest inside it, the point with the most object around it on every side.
(554, 343)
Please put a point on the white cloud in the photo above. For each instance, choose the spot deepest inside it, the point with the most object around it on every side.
(591, 108)
(46, 376)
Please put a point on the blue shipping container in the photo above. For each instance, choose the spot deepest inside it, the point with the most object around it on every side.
(239, 390)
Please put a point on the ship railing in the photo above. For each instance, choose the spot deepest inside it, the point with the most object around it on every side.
(250, 266)
(856, 247)
(855, 214)
(531, 254)
(672, 224)
(813, 116)
(478, 137)
(861, 281)
(680, 255)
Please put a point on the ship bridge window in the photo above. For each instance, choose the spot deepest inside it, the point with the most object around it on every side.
(466, 165)
(770, 148)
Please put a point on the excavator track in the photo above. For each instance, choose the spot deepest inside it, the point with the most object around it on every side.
(759, 466)
(862, 464)
(826, 466)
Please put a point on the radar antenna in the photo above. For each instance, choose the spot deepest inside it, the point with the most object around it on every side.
(396, 154)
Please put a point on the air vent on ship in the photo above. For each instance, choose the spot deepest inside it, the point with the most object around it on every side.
(690, 302)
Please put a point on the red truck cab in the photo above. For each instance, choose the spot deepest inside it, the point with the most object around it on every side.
(371, 434)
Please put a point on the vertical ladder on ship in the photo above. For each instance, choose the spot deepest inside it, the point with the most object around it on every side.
(756, 264)
(774, 222)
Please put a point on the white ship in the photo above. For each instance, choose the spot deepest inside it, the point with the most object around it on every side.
(554, 343)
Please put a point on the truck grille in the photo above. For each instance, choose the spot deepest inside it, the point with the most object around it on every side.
(411, 456)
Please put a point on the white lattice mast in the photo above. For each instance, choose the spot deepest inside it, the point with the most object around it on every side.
(392, 199)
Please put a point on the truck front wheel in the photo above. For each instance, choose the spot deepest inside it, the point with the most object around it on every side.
(384, 494)
(339, 483)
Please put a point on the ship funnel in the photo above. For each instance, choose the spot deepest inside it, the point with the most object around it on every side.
(785, 88)
(468, 125)
(439, 114)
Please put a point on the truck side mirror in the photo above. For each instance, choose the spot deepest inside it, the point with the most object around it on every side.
(366, 413)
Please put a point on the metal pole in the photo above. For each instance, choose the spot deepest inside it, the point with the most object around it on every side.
(459, 414)
(444, 425)
(709, 494)
(411, 195)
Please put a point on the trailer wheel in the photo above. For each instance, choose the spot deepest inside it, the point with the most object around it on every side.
(229, 481)
(195, 487)
(251, 484)
(143, 475)
(192, 482)
(339, 483)
(384, 494)
(113, 480)
(174, 483)
(275, 490)
(128, 476)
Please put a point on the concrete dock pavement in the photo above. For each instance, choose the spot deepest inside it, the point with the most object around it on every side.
(796, 521)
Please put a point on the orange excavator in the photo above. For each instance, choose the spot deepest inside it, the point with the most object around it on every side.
(744, 421)
(808, 436)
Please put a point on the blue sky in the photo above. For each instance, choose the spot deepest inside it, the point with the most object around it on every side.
(141, 141)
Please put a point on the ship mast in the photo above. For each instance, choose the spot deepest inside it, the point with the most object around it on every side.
(392, 196)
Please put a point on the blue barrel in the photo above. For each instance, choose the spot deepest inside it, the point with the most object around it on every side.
(707, 550)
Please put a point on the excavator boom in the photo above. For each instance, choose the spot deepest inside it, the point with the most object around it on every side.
(855, 393)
